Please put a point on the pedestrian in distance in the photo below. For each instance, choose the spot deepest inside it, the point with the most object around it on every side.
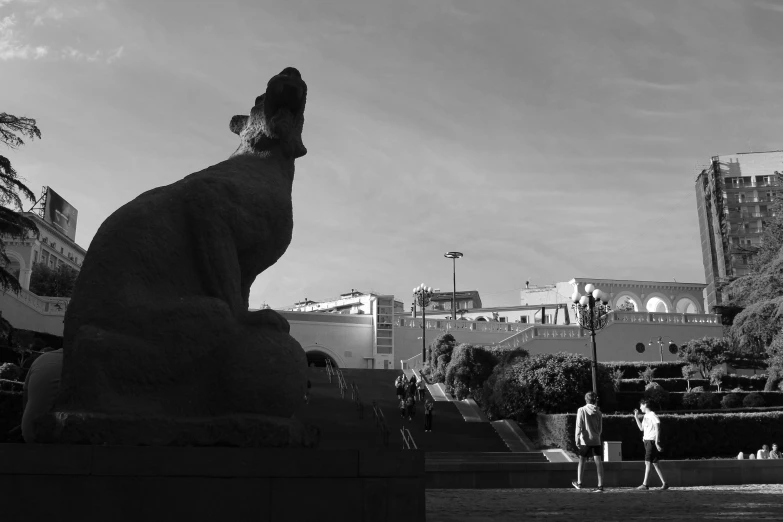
(763, 453)
(650, 427)
(410, 402)
(589, 423)
(428, 415)
(421, 387)
(402, 408)
(775, 453)
(400, 385)
(411, 390)
(307, 392)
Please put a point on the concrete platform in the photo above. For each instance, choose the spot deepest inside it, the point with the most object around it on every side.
(494, 474)
(133, 483)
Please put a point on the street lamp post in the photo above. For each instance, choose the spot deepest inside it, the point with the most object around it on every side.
(454, 256)
(660, 341)
(422, 295)
(592, 312)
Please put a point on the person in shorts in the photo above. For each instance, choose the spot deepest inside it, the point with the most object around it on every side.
(650, 426)
(589, 423)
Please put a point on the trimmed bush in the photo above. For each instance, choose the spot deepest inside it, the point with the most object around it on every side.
(523, 385)
(683, 436)
(707, 401)
(658, 397)
(469, 367)
(627, 401)
(663, 370)
(691, 399)
(731, 400)
(10, 371)
(753, 400)
(670, 385)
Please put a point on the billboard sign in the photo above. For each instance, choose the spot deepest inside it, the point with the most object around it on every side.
(60, 213)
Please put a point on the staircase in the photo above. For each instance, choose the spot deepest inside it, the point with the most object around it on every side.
(341, 427)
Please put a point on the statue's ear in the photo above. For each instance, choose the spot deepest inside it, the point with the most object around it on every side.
(237, 124)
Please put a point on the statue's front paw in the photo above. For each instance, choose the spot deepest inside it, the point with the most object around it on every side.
(268, 319)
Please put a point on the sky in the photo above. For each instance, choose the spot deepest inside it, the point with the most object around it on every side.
(544, 139)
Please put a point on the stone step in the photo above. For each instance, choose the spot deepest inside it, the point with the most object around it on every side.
(513, 436)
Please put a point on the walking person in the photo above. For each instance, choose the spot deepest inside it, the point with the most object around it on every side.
(650, 426)
(410, 402)
(399, 383)
(403, 408)
(411, 388)
(421, 388)
(428, 415)
(589, 423)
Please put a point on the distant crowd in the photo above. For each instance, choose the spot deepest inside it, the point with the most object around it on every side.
(762, 454)
(409, 391)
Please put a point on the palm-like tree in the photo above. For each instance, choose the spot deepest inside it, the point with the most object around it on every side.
(12, 222)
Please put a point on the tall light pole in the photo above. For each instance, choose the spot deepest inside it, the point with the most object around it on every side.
(454, 256)
(592, 311)
(422, 295)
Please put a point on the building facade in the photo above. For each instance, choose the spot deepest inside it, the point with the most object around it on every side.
(734, 196)
(51, 247)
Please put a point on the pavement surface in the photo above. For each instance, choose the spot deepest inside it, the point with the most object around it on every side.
(749, 502)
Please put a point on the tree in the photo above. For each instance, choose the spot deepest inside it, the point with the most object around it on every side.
(626, 306)
(469, 368)
(53, 282)
(704, 353)
(12, 222)
(688, 372)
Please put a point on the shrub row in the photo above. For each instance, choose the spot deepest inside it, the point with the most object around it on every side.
(628, 401)
(681, 385)
(663, 370)
(683, 436)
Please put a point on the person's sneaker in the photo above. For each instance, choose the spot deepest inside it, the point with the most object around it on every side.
(599, 489)
(576, 484)
(643, 487)
(664, 487)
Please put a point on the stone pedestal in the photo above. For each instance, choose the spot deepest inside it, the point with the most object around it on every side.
(124, 483)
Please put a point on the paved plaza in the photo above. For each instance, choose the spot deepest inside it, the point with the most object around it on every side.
(750, 502)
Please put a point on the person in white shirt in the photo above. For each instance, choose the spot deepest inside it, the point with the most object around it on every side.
(763, 453)
(651, 428)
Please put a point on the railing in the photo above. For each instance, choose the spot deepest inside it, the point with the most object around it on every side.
(43, 305)
(357, 400)
(450, 324)
(413, 362)
(329, 370)
(561, 332)
(9, 387)
(380, 422)
(407, 439)
(341, 382)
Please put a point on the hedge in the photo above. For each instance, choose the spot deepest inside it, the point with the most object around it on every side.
(683, 436)
(663, 370)
(681, 385)
(628, 401)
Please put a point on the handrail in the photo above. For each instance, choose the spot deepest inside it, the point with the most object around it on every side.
(341, 382)
(10, 387)
(329, 369)
(407, 439)
(380, 421)
(357, 400)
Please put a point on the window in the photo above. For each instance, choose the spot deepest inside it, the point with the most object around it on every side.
(523, 319)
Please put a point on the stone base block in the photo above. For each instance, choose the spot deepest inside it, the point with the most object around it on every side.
(130, 430)
(58, 482)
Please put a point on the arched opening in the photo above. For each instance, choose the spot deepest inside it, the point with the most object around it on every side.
(687, 306)
(627, 302)
(317, 359)
(481, 318)
(658, 305)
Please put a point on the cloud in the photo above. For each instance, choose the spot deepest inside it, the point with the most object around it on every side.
(778, 8)
(52, 14)
(10, 46)
(115, 54)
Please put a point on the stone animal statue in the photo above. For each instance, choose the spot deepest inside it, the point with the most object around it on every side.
(159, 345)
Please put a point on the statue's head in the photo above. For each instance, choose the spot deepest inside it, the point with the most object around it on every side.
(277, 118)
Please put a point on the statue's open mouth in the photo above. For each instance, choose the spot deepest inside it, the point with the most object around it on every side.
(285, 93)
